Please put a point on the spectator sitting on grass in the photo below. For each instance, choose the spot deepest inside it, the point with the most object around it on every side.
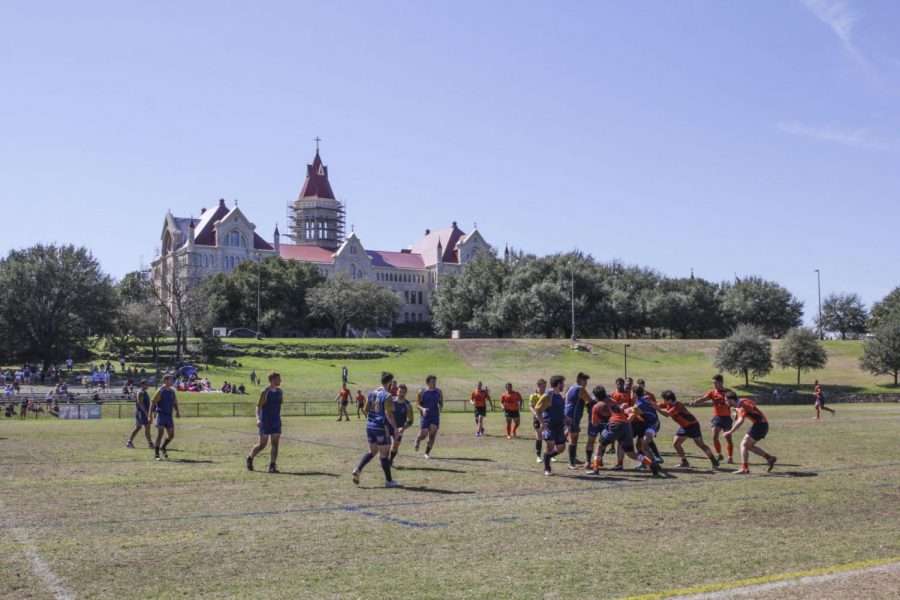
(242, 389)
(226, 388)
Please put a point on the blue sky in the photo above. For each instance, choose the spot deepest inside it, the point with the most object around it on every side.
(757, 138)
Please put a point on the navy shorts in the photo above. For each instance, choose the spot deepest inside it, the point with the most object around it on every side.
(555, 434)
(691, 431)
(575, 427)
(270, 428)
(164, 421)
(344, 403)
(428, 421)
(377, 436)
(820, 402)
(595, 431)
(618, 432)
(722, 422)
(141, 418)
(758, 431)
(480, 410)
(511, 414)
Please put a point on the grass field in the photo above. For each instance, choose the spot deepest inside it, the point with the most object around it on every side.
(84, 517)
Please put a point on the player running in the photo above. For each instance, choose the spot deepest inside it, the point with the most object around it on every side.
(552, 408)
(747, 409)
(162, 405)
(820, 401)
(268, 421)
(532, 403)
(598, 418)
(577, 397)
(721, 420)
(403, 415)
(429, 402)
(480, 398)
(343, 399)
(141, 415)
(512, 404)
(379, 409)
(618, 429)
(689, 427)
(360, 402)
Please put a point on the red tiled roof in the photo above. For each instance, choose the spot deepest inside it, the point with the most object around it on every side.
(397, 260)
(307, 254)
(316, 184)
(447, 238)
(205, 232)
(261, 244)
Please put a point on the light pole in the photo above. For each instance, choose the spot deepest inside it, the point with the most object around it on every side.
(626, 359)
(572, 264)
(819, 284)
(258, 277)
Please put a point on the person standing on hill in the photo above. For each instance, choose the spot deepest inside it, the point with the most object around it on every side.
(343, 400)
(512, 404)
(479, 399)
(430, 403)
(141, 415)
(268, 420)
(820, 401)
(721, 420)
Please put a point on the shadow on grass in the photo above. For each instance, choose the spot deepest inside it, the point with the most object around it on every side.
(402, 468)
(468, 459)
(192, 461)
(304, 473)
(422, 488)
(777, 473)
(619, 476)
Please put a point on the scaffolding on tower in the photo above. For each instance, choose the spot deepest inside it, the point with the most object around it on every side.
(317, 222)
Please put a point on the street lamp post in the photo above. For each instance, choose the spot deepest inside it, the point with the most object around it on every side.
(258, 277)
(572, 289)
(819, 285)
(626, 359)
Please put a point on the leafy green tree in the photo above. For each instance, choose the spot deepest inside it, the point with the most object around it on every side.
(135, 287)
(52, 298)
(845, 313)
(886, 310)
(801, 350)
(881, 353)
(765, 304)
(690, 307)
(473, 297)
(631, 293)
(745, 352)
(343, 301)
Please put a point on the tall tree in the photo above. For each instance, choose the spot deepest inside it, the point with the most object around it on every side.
(135, 287)
(690, 307)
(800, 349)
(886, 310)
(472, 297)
(343, 301)
(763, 303)
(746, 352)
(844, 313)
(52, 298)
(881, 353)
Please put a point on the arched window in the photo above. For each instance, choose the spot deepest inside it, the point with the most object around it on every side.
(235, 239)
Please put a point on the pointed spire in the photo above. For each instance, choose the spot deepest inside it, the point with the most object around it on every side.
(276, 229)
(317, 184)
(506, 252)
(192, 222)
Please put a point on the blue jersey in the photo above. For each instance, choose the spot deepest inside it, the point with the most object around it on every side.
(166, 402)
(431, 399)
(554, 415)
(648, 413)
(143, 400)
(402, 411)
(574, 403)
(375, 408)
(270, 403)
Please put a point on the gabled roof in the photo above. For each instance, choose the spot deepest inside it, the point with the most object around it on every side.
(397, 260)
(205, 231)
(316, 184)
(428, 245)
(312, 254)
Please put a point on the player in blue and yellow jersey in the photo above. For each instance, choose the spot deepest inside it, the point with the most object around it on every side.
(268, 420)
(532, 403)
(379, 409)
(403, 415)
(552, 408)
(577, 398)
(429, 402)
(141, 415)
(598, 417)
(747, 409)
(689, 427)
(618, 431)
(162, 405)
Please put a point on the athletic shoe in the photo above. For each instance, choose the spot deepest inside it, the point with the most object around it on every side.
(427, 456)
(392, 484)
(548, 473)
(150, 445)
(356, 477)
(573, 466)
(659, 459)
(715, 464)
(273, 469)
(539, 459)
(771, 463)
(249, 464)
(720, 458)
(509, 437)
(158, 457)
(129, 444)
(742, 472)
(553, 459)
(416, 447)
(595, 471)
(618, 468)
(165, 454)
(588, 469)
(730, 461)
(641, 467)
(654, 468)
(685, 464)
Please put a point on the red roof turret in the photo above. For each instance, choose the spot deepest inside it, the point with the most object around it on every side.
(316, 184)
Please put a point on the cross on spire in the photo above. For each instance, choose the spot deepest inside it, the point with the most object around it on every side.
(317, 139)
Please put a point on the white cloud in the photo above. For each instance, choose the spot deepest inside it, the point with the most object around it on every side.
(855, 138)
(840, 18)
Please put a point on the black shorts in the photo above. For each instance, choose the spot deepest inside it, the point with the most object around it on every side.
(691, 431)
(618, 432)
(758, 431)
(722, 422)
(593, 432)
(537, 425)
(480, 410)
(511, 414)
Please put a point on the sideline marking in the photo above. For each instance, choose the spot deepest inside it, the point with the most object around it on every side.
(389, 519)
(38, 564)
(767, 579)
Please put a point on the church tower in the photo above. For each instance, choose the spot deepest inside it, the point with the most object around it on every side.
(317, 217)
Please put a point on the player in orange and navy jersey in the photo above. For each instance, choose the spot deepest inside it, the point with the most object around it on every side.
(689, 427)
(747, 409)
(721, 420)
(512, 404)
(479, 399)
(820, 401)
(618, 429)
(621, 395)
(652, 398)
(598, 417)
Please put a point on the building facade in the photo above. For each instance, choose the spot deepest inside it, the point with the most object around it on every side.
(222, 238)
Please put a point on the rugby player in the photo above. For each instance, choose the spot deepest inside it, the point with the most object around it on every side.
(552, 408)
(403, 415)
(721, 420)
(379, 410)
(163, 403)
(689, 427)
(430, 402)
(747, 409)
(512, 404)
(268, 421)
(532, 403)
(478, 400)
(820, 401)
(577, 397)
(141, 415)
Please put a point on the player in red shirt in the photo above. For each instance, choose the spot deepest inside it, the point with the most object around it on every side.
(747, 409)
(689, 427)
(480, 398)
(360, 402)
(343, 399)
(721, 420)
(652, 398)
(820, 401)
(512, 404)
